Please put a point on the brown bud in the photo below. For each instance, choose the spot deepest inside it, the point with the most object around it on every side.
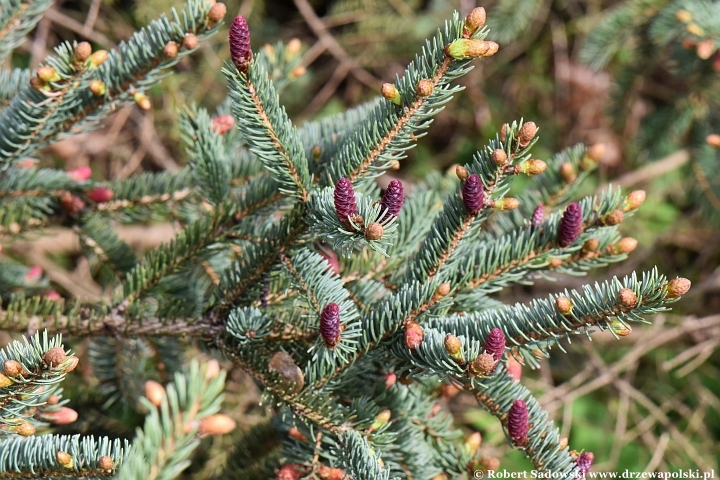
(190, 42)
(688, 44)
(499, 157)
(316, 151)
(504, 132)
(297, 435)
(634, 200)
(564, 305)
(562, 443)
(474, 20)
(83, 50)
(442, 290)
(298, 72)
(596, 152)
(531, 167)
(170, 50)
(567, 172)
(54, 357)
(374, 231)
(72, 364)
(472, 443)
(154, 392)
(64, 459)
(98, 88)
(453, 345)
(142, 101)
(47, 74)
(24, 429)
(414, 335)
(13, 368)
(5, 381)
(483, 365)
(217, 12)
(293, 46)
(627, 298)
(98, 58)
(678, 287)
(713, 140)
(424, 87)
(106, 463)
(614, 218)
(555, 262)
(218, 424)
(705, 49)
(591, 245)
(625, 245)
(391, 93)
(619, 328)
(506, 203)
(527, 133)
(684, 16)
(36, 83)
(461, 172)
(53, 400)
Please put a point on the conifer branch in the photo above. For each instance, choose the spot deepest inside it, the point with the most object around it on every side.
(38, 456)
(17, 18)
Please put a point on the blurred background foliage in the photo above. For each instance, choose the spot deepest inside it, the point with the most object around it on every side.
(640, 76)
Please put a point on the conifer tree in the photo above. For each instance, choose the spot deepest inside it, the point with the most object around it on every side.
(348, 306)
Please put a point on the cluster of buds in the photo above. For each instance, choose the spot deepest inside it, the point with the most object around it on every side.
(493, 351)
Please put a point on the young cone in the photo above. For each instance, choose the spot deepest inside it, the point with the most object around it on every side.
(495, 344)
(473, 194)
(392, 200)
(570, 225)
(345, 205)
(518, 423)
(240, 43)
(330, 325)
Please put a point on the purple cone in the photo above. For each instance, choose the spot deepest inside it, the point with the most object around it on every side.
(473, 194)
(240, 43)
(538, 216)
(495, 343)
(345, 205)
(518, 421)
(570, 225)
(584, 462)
(330, 325)
(392, 199)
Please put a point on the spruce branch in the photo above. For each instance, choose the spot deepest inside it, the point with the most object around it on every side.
(267, 128)
(184, 411)
(391, 129)
(41, 456)
(17, 18)
(11, 81)
(29, 378)
(543, 323)
(68, 106)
